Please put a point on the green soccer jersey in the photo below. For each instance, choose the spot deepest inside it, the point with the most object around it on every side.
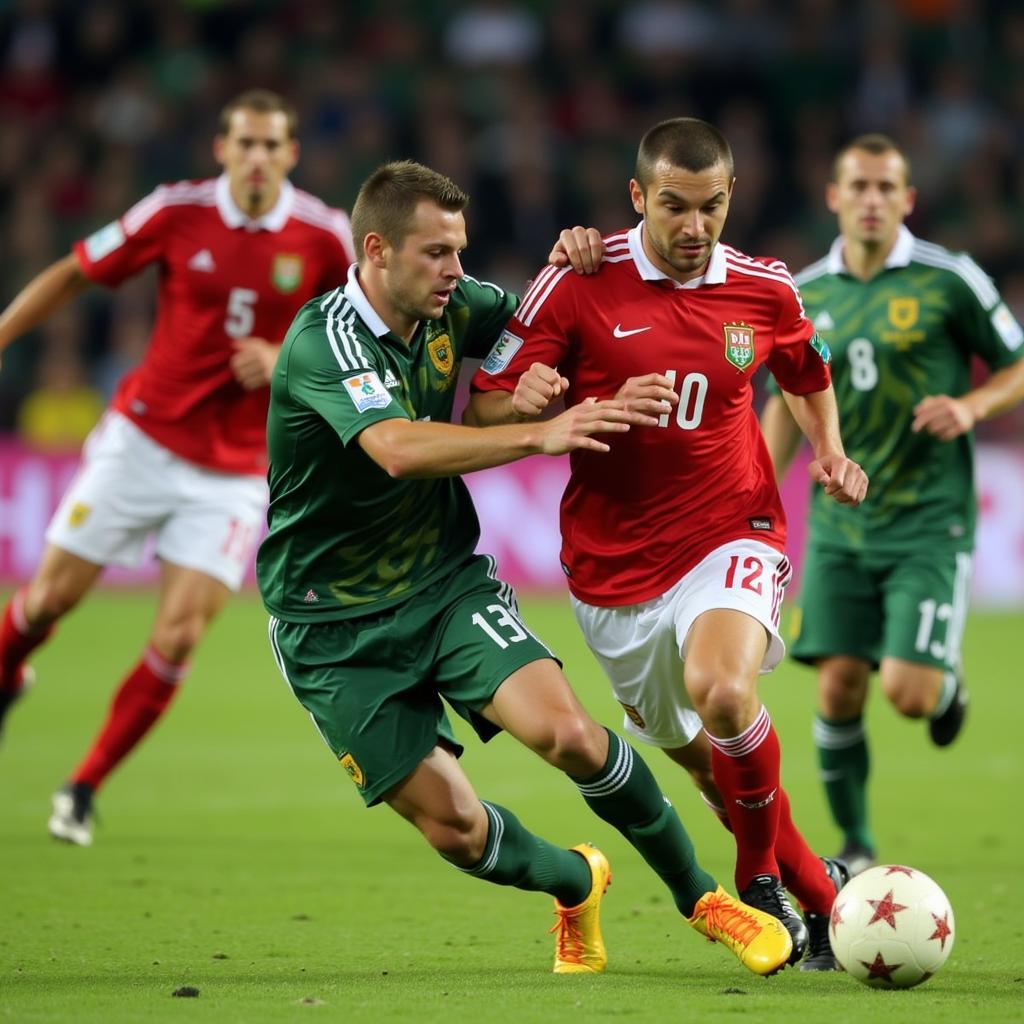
(345, 538)
(908, 332)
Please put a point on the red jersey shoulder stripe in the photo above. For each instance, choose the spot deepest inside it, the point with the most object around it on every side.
(180, 193)
(777, 267)
(538, 292)
(546, 281)
(754, 268)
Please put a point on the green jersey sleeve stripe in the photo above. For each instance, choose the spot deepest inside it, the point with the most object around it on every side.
(341, 331)
(963, 266)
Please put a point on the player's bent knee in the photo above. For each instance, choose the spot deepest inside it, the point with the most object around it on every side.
(575, 744)
(457, 842)
(911, 704)
(176, 640)
(725, 703)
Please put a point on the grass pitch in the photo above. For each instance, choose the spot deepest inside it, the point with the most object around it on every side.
(234, 857)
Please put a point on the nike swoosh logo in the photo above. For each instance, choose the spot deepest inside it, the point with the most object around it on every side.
(620, 333)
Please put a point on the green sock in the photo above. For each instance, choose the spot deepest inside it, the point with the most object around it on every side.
(513, 856)
(844, 762)
(625, 794)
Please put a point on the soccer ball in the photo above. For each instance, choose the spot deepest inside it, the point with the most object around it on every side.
(891, 927)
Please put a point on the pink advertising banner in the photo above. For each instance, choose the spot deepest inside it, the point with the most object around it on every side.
(518, 507)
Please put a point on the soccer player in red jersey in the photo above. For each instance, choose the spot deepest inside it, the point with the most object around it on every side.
(673, 542)
(180, 456)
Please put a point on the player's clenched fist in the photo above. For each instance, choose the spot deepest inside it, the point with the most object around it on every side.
(841, 477)
(537, 388)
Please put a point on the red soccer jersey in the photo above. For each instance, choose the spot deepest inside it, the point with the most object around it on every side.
(635, 520)
(222, 277)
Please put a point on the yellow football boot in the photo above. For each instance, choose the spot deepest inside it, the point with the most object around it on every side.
(758, 940)
(579, 948)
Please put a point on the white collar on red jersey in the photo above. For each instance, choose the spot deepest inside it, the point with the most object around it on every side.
(273, 220)
(355, 294)
(899, 254)
(714, 274)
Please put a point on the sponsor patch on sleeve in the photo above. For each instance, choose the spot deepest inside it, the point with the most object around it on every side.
(1007, 327)
(501, 355)
(820, 346)
(103, 242)
(367, 392)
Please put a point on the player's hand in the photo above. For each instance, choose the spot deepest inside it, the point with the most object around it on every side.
(841, 477)
(652, 394)
(253, 362)
(573, 428)
(537, 388)
(580, 248)
(943, 417)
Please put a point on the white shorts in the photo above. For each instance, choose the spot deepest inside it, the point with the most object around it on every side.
(642, 647)
(130, 488)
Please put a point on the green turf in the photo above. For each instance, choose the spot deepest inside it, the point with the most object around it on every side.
(234, 856)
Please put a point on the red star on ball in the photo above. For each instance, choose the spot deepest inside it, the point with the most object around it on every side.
(880, 969)
(886, 910)
(837, 914)
(899, 869)
(942, 929)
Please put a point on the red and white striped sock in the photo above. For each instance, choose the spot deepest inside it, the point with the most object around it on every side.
(17, 641)
(803, 872)
(746, 771)
(142, 698)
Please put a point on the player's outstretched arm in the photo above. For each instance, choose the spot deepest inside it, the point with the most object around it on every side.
(417, 449)
(818, 418)
(946, 417)
(781, 434)
(50, 289)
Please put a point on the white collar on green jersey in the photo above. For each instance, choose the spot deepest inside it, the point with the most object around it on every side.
(715, 273)
(899, 255)
(354, 293)
(273, 220)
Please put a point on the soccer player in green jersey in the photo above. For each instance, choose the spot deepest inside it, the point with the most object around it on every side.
(380, 607)
(885, 585)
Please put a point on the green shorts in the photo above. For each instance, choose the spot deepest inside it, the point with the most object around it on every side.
(871, 606)
(373, 684)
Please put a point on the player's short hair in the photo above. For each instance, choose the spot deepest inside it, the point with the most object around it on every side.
(260, 101)
(685, 142)
(388, 199)
(876, 144)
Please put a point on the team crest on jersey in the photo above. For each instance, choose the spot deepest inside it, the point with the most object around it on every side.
(739, 344)
(79, 513)
(441, 355)
(634, 716)
(286, 272)
(348, 762)
(903, 313)
(367, 392)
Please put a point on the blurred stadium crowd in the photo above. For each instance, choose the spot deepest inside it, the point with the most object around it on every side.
(534, 107)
